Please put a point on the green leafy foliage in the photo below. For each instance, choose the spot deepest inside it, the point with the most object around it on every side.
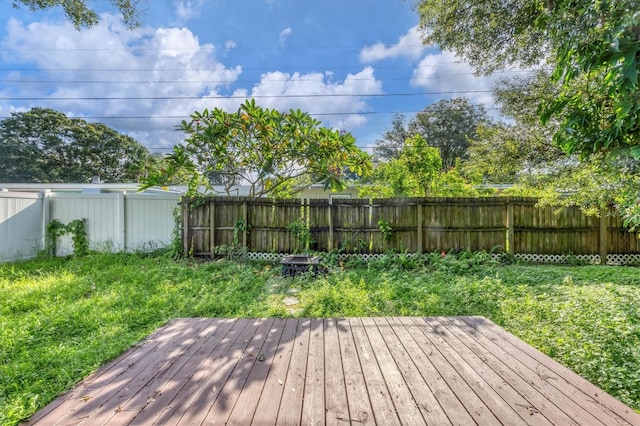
(390, 146)
(417, 172)
(522, 153)
(261, 147)
(80, 15)
(386, 230)
(421, 161)
(423, 157)
(595, 59)
(489, 35)
(446, 125)
(43, 145)
(77, 229)
(300, 229)
(238, 227)
(521, 148)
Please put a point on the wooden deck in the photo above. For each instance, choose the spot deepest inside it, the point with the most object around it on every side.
(411, 371)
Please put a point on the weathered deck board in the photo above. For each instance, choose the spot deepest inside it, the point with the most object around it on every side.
(359, 405)
(461, 370)
(385, 412)
(336, 406)
(314, 390)
(608, 409)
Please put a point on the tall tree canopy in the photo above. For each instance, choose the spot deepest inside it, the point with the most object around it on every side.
(392, 142)
(43, 145)
(520, 149)
(263, 148)
(593, 48)
(446, 125)
(81, 15)
(417, 172)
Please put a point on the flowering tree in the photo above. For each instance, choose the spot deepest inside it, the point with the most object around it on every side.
(264, 148)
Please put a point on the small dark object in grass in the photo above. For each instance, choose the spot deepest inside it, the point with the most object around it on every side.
(299, 263)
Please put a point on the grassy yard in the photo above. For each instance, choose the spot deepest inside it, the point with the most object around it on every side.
(60, 319)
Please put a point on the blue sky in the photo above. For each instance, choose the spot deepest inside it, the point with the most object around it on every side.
(350, 63)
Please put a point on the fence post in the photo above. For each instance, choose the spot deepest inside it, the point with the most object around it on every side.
(419, 207)
(246, 224)
(122, 231)
(46, 215)
(212, 227)
(510, 229)
(330, 220)
(604, 234)
(185, 226)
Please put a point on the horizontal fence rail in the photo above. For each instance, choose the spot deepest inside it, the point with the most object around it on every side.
(500, 224)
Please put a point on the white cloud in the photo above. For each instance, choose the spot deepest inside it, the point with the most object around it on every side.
(161, 76)
(444, 73)
(186, 10)
(409, 46)
(230, 44)
(284, 35)
(137, 73)
(317, 94)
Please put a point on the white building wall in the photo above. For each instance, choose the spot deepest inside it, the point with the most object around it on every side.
(21, 225)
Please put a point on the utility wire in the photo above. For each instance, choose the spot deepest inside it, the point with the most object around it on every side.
(298, 68)
(161, 98)
(266, 80)
(187, 116)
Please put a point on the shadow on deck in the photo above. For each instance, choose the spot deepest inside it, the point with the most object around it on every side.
(400, 370)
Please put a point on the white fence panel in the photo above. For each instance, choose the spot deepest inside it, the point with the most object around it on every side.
(22, 223)
(149, 220)
(101, 212)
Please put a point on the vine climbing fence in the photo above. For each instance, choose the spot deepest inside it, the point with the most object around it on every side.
(500, 224)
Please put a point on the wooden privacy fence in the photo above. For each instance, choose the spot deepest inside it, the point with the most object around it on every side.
(509, 224)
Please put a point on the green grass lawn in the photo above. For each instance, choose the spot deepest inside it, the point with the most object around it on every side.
(60, 319)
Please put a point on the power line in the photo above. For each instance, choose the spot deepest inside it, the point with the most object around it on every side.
(163, 98)
(330, 67)
(267, 80)
(196, 49)
(176, 117)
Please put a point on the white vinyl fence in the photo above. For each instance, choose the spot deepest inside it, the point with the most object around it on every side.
(22, 224)
(114, 221)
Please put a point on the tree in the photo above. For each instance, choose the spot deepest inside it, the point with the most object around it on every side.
(520, 149)
(490, 35)
(448, 125)
(417, 172)
(422, 161)
(594, 183)
(81, 15)
(392, 142)
(390, 179)
(264, 148)
(593, 48)
(43, 145)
